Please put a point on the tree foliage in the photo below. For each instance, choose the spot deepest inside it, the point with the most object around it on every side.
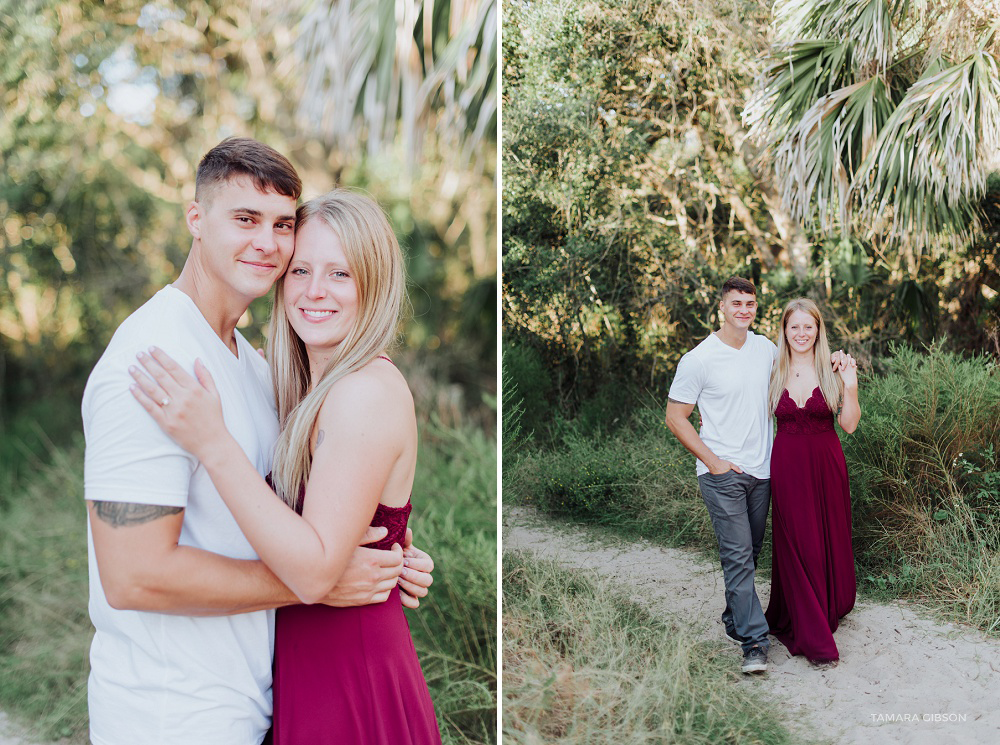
(632, 189)
(105, 110)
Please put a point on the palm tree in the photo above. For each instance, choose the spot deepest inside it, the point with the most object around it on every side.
(379, 72)
(883, 116)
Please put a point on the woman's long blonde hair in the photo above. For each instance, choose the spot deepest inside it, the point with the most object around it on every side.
(830, 384)
(376, 264)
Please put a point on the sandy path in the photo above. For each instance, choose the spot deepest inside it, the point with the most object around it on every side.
(902, 679)
(11, 734)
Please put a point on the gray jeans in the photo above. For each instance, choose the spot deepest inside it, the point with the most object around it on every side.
(738, 504)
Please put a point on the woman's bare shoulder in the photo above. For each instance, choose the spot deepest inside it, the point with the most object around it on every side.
(376, 390)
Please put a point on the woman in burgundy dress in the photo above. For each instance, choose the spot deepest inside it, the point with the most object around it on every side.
(345, 460)
(812, 573)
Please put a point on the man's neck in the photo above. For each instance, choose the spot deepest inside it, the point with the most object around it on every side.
(732, 337)
(221, 316)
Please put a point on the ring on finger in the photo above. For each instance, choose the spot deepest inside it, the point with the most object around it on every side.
(163, 402)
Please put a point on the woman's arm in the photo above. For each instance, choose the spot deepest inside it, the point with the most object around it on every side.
(354, 454)
(850, 411)
(307, 552)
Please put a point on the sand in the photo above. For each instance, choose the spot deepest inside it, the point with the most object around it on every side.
(903, 678)
(11, 734)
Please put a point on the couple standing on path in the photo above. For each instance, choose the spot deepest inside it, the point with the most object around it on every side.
(739, 380)
(178, 506)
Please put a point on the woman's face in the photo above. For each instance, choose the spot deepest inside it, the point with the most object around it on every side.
(800, 331)
(320, 293)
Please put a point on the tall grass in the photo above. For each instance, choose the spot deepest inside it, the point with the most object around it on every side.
(926, 483)
(585, 665)
(924, 467)
(45, 631)
(639, 480)
(454, 519)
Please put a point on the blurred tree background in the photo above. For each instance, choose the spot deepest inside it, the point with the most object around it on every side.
(105, 111)
(846, 151)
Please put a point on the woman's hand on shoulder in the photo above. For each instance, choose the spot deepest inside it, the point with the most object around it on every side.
(186, 407)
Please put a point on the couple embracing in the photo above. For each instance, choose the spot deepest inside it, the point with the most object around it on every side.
(740, 381)
(191, 549)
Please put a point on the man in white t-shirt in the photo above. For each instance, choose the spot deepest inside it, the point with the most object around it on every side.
(180, 603)
(727, 376)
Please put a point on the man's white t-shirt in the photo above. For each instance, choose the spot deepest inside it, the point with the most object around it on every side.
(730, 388)
(159, 679)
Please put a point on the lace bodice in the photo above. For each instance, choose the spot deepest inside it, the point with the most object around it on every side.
(393, 518)
(813, 418)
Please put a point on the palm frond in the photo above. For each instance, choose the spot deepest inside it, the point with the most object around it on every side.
(797, 75)
(867, 23)
(815, 161)
(932, 158)
(378, 72)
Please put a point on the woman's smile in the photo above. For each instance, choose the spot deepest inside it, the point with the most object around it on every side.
(317, 316)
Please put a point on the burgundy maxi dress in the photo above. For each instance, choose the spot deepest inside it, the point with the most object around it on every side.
(812, 573)
(351, 675)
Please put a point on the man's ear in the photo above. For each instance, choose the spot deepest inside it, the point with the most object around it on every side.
(193, 219)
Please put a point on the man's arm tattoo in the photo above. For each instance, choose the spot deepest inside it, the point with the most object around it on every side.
(117, 514)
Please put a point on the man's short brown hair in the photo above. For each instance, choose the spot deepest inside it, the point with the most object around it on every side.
(737, 284)
(234, 157)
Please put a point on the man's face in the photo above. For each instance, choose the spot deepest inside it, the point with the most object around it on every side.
(246, 236)
(738, 309)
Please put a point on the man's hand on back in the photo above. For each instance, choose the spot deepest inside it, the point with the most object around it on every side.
(372, 573)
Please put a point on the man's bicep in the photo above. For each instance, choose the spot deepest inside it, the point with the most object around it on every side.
(679, 409)
(132, 543)
(124, 514)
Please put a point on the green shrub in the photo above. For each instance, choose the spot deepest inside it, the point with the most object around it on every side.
(979, 477)
(925, 482)
(924, 451)
(512, 434)
(640, 480)
(530, 389)
(590, 478)
(610, 408)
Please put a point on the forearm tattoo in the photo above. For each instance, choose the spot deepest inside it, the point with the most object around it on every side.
(117, 514)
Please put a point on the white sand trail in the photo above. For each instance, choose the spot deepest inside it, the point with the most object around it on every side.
(902, 679)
